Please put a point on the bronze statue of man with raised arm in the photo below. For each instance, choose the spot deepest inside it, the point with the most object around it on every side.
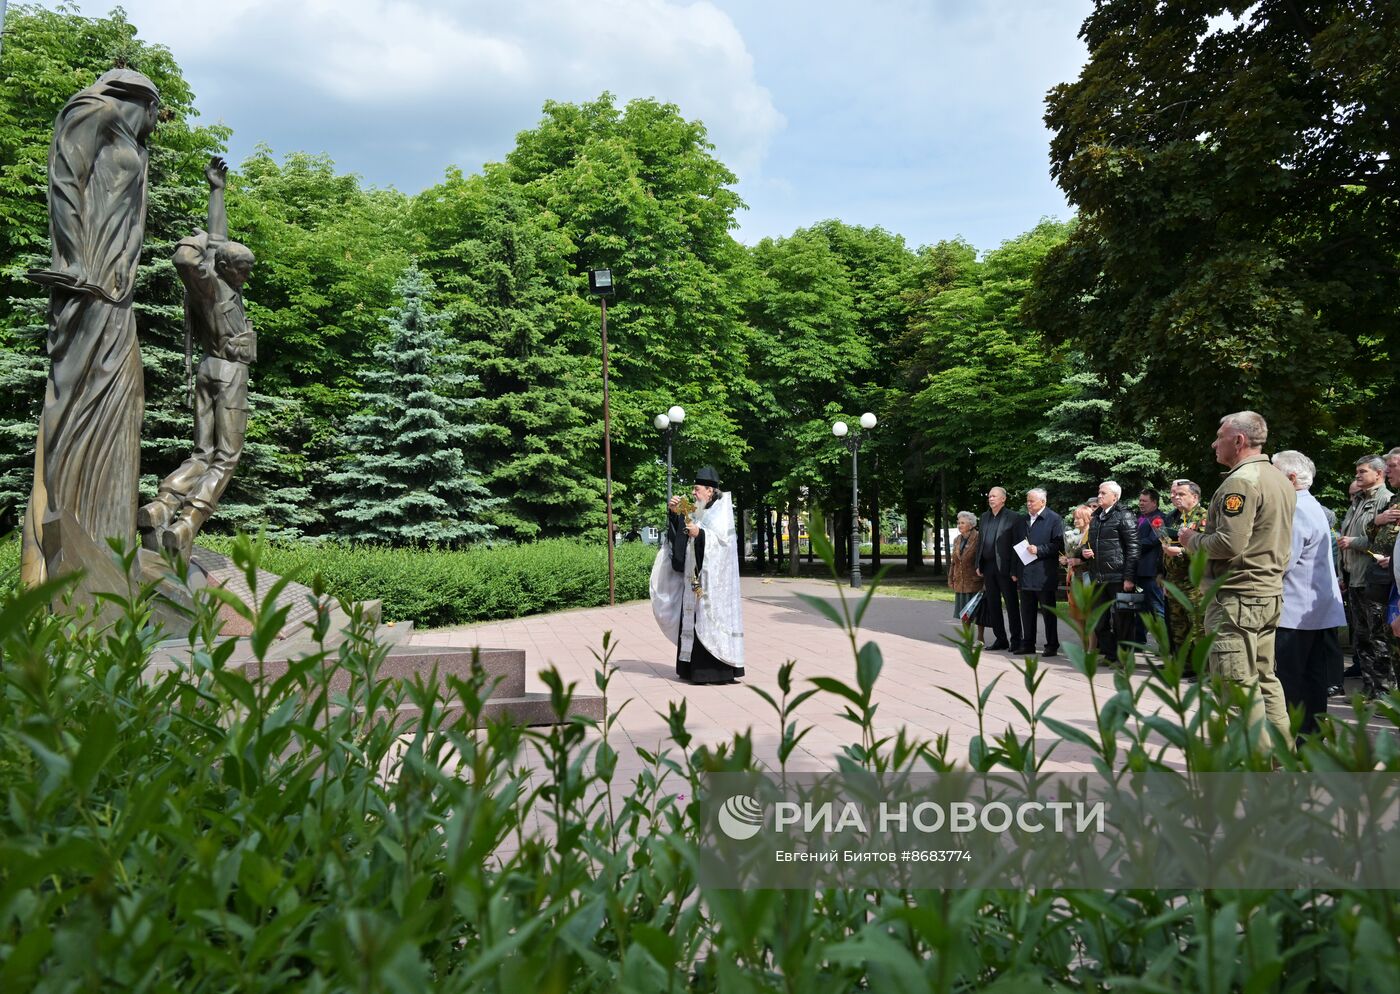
(214, 271)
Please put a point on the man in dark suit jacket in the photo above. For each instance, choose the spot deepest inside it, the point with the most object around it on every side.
(1150, 522)
(1044, 531)
(998, 527)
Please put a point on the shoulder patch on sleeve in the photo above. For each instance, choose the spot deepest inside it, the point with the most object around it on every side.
(1233, 504)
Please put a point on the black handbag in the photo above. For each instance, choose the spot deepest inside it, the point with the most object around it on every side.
(1129, 600)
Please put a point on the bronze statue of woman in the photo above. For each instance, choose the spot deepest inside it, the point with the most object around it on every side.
(87, 455)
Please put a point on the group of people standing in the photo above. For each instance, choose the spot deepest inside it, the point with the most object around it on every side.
(1271, 571)
(1011, 559)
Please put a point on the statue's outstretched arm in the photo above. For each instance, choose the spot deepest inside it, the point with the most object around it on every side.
(217, 174)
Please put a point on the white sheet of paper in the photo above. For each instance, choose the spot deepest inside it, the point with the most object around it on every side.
(1020, 549)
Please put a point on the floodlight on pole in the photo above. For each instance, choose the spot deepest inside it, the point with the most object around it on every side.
(852, 440)
(668, 423)
(600, 284)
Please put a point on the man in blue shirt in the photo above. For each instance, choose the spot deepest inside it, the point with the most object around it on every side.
(1308, 651)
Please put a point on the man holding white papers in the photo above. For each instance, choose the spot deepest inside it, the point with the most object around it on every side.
(1039, 543)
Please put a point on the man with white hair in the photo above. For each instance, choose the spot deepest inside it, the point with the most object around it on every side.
(1247, 540)
(1309, 652)
(1112, 551)
(1043, 531)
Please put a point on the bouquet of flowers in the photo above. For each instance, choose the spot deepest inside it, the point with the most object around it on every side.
(1074, 541)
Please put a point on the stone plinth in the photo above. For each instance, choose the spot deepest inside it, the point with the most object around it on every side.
(507, 699)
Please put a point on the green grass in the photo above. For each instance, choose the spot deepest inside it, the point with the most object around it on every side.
(917, 591)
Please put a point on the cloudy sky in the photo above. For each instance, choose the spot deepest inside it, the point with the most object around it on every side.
(922, 116)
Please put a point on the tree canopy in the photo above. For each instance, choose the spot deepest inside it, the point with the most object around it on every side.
(1238, 237)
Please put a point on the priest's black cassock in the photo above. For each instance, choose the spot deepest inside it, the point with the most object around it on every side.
(695, 592)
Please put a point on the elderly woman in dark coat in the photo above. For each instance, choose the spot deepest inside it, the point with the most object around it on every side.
(962, 566)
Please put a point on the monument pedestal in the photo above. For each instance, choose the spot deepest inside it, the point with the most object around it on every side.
(505, 668)
(73, 550)
(506, 700)
(68, 549)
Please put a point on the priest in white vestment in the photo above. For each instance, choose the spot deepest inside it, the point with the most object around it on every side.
(695, 585)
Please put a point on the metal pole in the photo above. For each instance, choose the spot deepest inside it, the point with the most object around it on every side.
(607, 457)
(855, 509)
(669, 432)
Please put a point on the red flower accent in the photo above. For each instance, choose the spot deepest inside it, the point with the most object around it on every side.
(1156, 522)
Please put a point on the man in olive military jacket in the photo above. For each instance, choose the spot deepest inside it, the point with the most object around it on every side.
(1248, 537)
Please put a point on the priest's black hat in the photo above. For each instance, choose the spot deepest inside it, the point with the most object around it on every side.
(708, 476)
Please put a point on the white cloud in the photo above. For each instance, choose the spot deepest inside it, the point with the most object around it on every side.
(470, 74)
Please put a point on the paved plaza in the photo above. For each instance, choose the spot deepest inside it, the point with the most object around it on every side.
(912, 635)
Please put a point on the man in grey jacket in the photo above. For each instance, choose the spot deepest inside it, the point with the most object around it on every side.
(1369, 653)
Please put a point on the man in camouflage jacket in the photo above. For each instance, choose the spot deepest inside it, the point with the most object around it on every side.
(1190, 513)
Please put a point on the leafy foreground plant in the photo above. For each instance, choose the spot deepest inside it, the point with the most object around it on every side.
(207, 831)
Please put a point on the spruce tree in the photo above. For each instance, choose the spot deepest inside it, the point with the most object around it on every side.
(23, 370)
(1087, 444)
(405, 479)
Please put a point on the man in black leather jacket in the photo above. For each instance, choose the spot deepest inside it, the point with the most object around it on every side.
(1112, 552)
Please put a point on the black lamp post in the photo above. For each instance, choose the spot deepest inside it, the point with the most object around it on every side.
(852, 441)
(669, 423)
(600, 284)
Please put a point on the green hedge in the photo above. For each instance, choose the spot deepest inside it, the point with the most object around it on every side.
(433, 587)
(887, 549)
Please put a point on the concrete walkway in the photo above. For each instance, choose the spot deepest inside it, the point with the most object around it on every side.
(778, 626)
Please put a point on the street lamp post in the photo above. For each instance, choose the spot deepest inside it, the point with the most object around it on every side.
(668, 423)
(852, 440)
(600, 284)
